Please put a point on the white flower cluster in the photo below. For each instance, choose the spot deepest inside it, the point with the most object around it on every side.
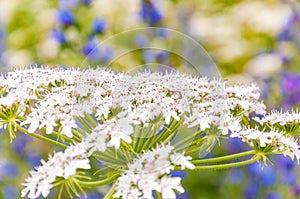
(108, 134)
(279, 141)
(57, 105)
(62, 164)
(246, 98)
(22, 85)
(148, 173)
(57, 97)
(280, 117)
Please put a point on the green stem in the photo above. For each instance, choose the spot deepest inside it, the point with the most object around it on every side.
(79, 132)
(110, 192)
(187, 139)
(62, 137)
(90, 119)
(166, 133)
(171, 132)
(142, 140)
(100, 182)
(223, 158)
(41, 137)
(229, 165)
(85, 124)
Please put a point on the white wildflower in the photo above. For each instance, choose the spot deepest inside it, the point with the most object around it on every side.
(279, 141)
(148, 173)
(108, 134)
(62, 164)
(168, 185)
(280, 117)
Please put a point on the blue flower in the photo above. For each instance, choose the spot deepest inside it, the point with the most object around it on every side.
(296, 190)
(235, 145)
(9, 192)
(181, 174)
(2, 41)
(91, 49)
(289, 178)
(9, 170)
(273, 195)
(68, 4)
(163, 56)
(236, 175)
(99, 25)
(141, 40)
(89, 46)
(150, 14)
(183, 196)
(251, 191)
(20, 143)
(32, 158)
(285, 163)
(149, 56)
(290, 86)
(290, 29)
(58, 35)
(87, 2)
(106, 54)
(265, 176)
(65, 17)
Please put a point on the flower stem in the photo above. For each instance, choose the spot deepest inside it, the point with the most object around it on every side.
(187, 139)
(229, 165)
(36, 135)
(110, 192)
(169, 131)
(223, 158)
(100, 182)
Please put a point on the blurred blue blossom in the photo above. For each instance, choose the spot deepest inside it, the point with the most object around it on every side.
(286, 167)
(149, 56)
(265, 176)
(95, 53)
(33, 158)
(290, 30)
(2, 43)
(251, 191)
(10, 192)
(141, 40)
(20, 142)
(9, 169)
(183, 196)
(58, 35)
(2, 40)
(273, 195)
(68, 4)
(234, 145)
(99, 25)
(87, 2)
(163, 32)
(296, 190)
(181, 174)
(106, 54)
(149, 13)
(65, 17)
(290, 87)
(236, 175)
(91, 50)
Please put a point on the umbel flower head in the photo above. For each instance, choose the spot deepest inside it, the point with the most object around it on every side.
(149, 172)
(139, 126)
(61, 164)
(56, 97)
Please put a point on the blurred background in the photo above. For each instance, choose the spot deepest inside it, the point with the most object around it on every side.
(249, 41)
